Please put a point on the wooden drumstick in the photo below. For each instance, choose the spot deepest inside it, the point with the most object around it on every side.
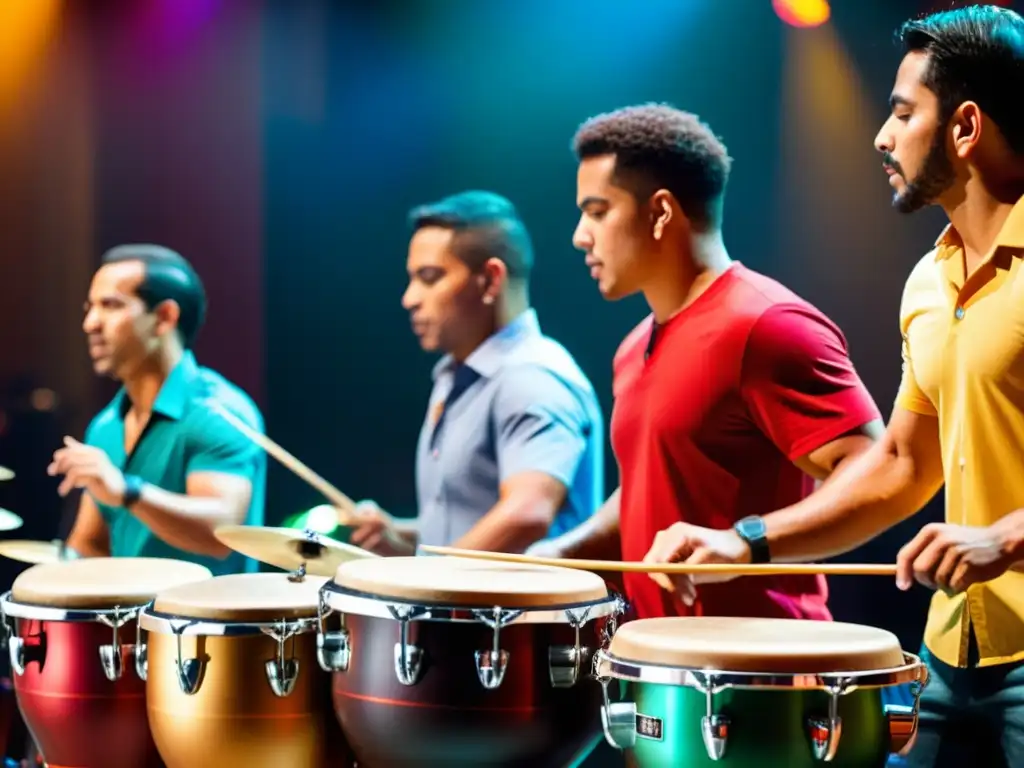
(345, 506)
(766, 569)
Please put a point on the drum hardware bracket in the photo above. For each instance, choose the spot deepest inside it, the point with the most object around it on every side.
(282, 673)
(190, 671)
(902, 720)
(825, 732)
(714, 727)
(141, 649)
(112, 656)
(408, 657)
(21, 654)
(565, 661)
(491, 664)
(618, 719)
(333, 649)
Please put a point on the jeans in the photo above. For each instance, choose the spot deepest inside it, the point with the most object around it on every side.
(968, 716)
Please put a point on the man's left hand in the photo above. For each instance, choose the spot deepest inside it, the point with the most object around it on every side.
(89, 468)
(694, 545)
(953, 557)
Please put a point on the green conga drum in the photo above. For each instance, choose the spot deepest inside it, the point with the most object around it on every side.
(754, 693)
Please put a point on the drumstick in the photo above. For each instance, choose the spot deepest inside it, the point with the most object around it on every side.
(766, 569)
(345, 506)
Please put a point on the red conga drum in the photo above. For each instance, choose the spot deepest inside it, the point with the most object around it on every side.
(459, 662)
(233, 678)
(71, 638)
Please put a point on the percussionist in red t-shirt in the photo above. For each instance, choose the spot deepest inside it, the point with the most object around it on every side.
(732, 397)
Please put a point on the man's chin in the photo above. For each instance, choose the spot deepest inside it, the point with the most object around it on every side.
(612, 291)
(428, 344)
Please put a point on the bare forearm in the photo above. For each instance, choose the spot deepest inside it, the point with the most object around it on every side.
(507, 527)
(598, 537)
(183, 521)
(876, 491)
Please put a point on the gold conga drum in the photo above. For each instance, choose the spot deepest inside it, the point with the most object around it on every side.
(233, 678)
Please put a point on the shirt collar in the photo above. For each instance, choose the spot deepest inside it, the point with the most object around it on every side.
(174, 392)
(488, 358)
(1010, 236)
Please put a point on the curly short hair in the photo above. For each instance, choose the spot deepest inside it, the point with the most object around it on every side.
(657, 146)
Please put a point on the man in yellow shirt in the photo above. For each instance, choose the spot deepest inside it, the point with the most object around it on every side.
(955, 138)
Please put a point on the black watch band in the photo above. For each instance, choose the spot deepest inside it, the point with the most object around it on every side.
(753, 531)
(132, 490)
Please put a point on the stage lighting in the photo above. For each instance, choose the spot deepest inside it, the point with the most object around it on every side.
(802, 13)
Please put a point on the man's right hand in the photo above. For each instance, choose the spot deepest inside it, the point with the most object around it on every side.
(375, 530)
(545, 548)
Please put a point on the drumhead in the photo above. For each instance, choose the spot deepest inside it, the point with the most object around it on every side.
(733, 644)
(102, 582)
(243, 597)
(468, 582)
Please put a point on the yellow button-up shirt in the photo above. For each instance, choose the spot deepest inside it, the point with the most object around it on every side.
(963, 362)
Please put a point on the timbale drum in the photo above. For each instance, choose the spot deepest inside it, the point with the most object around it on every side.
(749, 693)
(71, 637)
(233, 678)
(459, 662)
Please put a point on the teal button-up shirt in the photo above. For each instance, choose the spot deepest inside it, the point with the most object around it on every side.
(184, 435)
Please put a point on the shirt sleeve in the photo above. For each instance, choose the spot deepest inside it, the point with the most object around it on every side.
(216, 446)
(540, 425)
(910, 396)
(799, 383)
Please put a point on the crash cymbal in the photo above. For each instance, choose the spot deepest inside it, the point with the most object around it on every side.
(289, 548)
(9, 521)
(6, 474)
(26, 551)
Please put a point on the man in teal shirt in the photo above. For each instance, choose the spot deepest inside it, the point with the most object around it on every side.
(160, 466)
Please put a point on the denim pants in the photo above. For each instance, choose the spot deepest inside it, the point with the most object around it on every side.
(969, 716)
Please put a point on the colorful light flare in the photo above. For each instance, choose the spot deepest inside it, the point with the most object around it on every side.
(802, 13)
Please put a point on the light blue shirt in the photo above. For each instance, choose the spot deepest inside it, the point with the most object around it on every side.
(519, 403)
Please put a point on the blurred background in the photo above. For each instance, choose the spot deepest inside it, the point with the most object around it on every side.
(279, 145)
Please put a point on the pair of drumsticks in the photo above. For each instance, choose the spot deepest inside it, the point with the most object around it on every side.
(348, 514)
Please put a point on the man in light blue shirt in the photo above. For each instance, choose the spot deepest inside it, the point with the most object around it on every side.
(511, 449)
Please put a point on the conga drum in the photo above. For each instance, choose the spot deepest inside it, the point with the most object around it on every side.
(233, 678)
(71, 637)
(756, 692)
(457, 662)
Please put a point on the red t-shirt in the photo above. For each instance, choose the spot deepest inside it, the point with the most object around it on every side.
(708, 420)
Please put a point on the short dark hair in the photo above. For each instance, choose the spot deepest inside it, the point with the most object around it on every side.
(657, 146)
(485, 226)
(168, 276)
(975, 54)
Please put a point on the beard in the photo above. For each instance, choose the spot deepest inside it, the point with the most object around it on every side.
(934, 178)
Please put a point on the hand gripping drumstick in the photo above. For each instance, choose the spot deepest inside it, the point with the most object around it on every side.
(345, 506)
(766, 569)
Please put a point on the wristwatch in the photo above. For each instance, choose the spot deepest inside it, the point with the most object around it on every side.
(753, 531)
(132, 490)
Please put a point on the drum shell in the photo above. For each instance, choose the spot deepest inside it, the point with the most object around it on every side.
(448, 718)
(77, 716)
(768, 726)
(235, 719)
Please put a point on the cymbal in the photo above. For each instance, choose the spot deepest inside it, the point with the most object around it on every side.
(289, 548)
(6, 474)
(26, 551)
(9, 521)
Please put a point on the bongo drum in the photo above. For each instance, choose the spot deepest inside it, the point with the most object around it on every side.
(71, 627)
(756, 692)
(233, 678)
(456, 662)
